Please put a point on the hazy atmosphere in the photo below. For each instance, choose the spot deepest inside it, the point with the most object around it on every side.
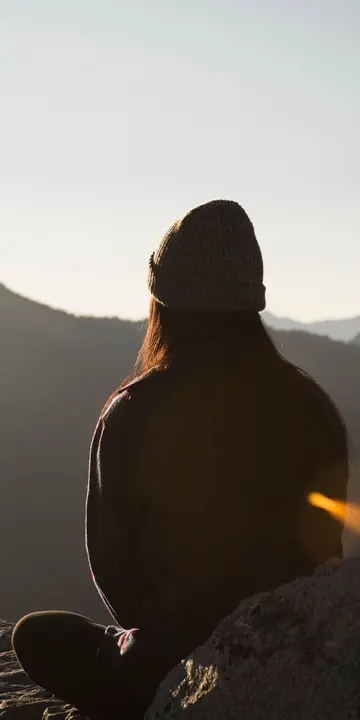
(179, 481)
(115, 121)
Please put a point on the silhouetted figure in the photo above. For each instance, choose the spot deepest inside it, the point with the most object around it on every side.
(200, 468)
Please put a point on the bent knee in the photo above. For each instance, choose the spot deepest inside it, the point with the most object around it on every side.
(25, 631)
(34, 632)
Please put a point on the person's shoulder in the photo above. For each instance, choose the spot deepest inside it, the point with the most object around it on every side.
(311, 396)
(141, 389)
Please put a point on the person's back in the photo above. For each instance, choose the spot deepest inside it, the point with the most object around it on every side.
(223, 456)
(227, 459)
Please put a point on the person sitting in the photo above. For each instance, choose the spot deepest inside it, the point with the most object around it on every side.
(200, 467)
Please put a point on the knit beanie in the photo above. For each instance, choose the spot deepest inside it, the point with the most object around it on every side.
(210, 261)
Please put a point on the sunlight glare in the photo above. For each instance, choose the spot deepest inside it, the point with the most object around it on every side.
(347, 513)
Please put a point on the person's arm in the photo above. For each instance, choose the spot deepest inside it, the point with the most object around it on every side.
(324, 467)
(327, 446)
(112, 520)
(116, 514)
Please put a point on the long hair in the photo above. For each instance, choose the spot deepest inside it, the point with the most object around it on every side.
(188, 336)
(193, 337)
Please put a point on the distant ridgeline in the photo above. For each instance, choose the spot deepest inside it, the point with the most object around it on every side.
(56, 372)
(345, 330)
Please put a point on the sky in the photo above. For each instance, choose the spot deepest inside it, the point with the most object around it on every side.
(118, 116)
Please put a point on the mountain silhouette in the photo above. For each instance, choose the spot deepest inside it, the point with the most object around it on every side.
(56, 372)
(345, 329)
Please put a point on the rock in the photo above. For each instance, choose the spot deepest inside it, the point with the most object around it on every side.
(19, 698)
(289, 654)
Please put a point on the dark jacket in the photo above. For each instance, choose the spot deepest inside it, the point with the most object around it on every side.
(197, 493)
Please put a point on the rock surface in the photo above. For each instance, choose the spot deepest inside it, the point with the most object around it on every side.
(289, 654)
(19, 698)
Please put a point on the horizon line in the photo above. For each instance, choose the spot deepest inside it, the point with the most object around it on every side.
(140, 319)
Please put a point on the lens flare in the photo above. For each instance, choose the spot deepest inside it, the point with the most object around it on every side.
(347, 513)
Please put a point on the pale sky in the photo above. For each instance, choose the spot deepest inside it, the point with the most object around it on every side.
(118, 116)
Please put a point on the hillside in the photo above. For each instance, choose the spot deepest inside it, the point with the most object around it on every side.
(56, 371)
(345, 329)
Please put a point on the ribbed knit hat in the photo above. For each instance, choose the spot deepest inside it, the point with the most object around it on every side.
(209, 261)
